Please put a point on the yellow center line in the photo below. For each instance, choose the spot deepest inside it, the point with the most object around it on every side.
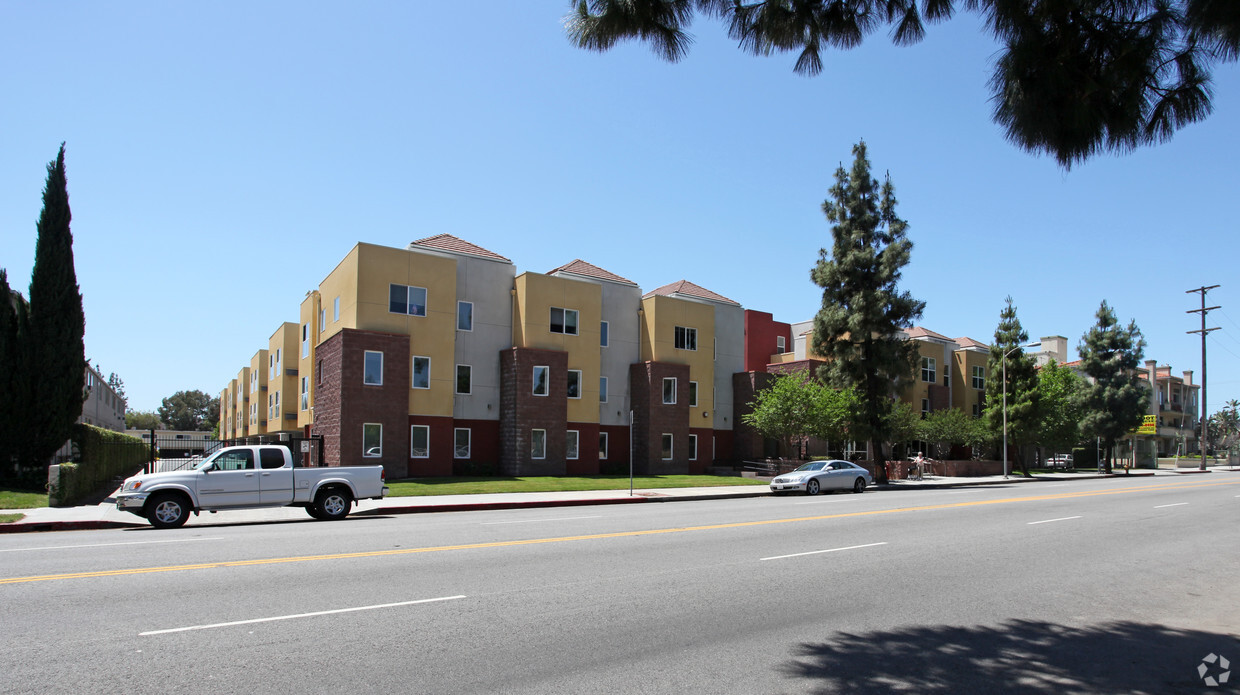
(597, 536)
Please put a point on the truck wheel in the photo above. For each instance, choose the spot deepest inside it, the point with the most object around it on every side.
(313, 511)
(167, 510)
(333, 504)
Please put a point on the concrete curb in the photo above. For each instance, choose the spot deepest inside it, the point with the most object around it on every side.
(39, 526)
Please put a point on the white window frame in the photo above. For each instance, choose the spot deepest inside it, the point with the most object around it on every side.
(604, 333)
(322, 318)
(693, 442)
(929, 366)
(602, 389)
(668, 446)
(602, 446)
(665, 400)
(580, 386)
(413, 372)
(572, 445)
(456, 383)
(685, 338)
(364, 449)
(979, 377)
(546, 380)
(407, 312)
(336, 310)
(564, 321)
(780, 345)
(271, 366)
(365, 360)
(305, 340)
(538, 437)
(456, 442)
(459, 306)
(693, 394)
(412, 448)
(925, 407)
(305, 393)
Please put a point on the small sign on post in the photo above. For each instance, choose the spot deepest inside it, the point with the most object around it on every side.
(305, 447)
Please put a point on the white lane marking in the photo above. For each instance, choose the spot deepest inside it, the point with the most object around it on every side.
(1047, 521)
(818, 552)
(298, 615)
(1057, 485)
(1177, 504)
(530, 521)
(105, 545)
(855, 498)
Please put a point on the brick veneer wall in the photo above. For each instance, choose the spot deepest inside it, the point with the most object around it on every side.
(747, 444)
(521, 411)
(652, 418)
(343, 403)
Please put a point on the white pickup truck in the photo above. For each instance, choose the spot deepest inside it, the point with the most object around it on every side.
(249, 477)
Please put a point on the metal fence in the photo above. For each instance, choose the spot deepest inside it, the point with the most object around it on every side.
(175, 452)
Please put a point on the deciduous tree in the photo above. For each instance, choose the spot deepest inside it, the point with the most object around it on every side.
(189, 410)
(857, 330)
(1059, 394)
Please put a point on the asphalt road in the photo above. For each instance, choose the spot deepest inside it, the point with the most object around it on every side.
(1099, 586)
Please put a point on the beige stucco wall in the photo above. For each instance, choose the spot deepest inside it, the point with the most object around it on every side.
(535, 295)
(660, 317)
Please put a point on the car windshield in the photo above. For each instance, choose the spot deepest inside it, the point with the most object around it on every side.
(207, 461)
(812, 466)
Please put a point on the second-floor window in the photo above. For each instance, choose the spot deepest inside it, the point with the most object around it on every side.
(464, 379)
(928, 370)
(686, 338)
(404, 299)
(979, 378)
(669, 391)
(542, 377)
(464, 316)
(372, 371)
(564, 321)
(574, 383)
(421, 377)
(780, 346)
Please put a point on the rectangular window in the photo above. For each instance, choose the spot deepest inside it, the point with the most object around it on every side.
(928, 370)
(305, 393)
(574, 383)
(318, 370)
(538, 444)
(335, 309)
(271, 367)
(602, 333)
(979, 378)
(372, 369)
(686, 338)
(570, 451)
(403, 299)
(564, 321)
(305, 340)
(602, 389)
(977, 410)
(419, 441)
(693, 394)
(541, 377)
(667, 447)
(669, 390)
(372, 440)
(322, 319)
(464, 379)
(460, 449)
(421, 377)
(602, 446)
(780, 346)
(925, 407)
(693, 447)
(464, 316)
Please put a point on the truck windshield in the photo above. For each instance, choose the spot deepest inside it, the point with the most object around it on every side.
(207, 461)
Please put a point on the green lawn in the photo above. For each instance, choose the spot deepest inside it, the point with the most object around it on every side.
(22, 499)
(10, 518)
(421, 487)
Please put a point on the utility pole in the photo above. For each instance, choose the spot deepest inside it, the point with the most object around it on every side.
(1203, 331)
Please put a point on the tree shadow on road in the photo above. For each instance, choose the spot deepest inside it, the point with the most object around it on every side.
(1017, 657)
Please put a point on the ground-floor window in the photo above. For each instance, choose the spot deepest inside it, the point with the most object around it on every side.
(538, 444)
(667, 447)
(461, 448)
(419, 441)
(372, 440)
(602, 446)
(570, 452)
(693, 447)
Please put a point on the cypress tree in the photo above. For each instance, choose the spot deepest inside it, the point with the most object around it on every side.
(857, 328)
(9, 372)
(1022, 386)
(56, 348)
(1116, 398)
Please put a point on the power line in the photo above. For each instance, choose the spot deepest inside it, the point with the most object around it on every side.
(1204, 332)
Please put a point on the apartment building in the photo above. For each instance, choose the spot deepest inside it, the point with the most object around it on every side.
(103, 407)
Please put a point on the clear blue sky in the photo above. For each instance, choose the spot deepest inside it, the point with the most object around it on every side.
(222, 157)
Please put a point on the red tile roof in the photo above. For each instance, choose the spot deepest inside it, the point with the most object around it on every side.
(965, 341)
(589, 270)
(920, 332)
(451, 244)
(688, 289)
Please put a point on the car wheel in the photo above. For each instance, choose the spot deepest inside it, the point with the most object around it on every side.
(313, 511)
(859, 486)
(332, 504)
(812, 487)
(167, 510)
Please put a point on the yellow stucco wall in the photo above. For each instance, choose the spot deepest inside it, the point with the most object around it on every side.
(258, 366)
(660, 317)
(284, 344)
(535, 295)
(305, 355)
(241, 409)
(964, 396)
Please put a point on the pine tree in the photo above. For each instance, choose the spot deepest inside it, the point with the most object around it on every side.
(57, 324)
(1021, 386)
(857, 329)
(1116, 400)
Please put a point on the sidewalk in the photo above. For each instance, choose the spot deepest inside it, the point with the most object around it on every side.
(106, 516)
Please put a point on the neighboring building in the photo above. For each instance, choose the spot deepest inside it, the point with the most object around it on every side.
(103, 407)
(969, 375)
(282, 380)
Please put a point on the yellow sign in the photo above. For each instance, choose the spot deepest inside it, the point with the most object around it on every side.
(1148, 425)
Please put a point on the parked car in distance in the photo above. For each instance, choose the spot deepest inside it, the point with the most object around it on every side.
(1060, 461)
(249, 477)
(824, 474)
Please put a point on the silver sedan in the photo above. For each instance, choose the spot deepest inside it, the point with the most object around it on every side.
(823, 475)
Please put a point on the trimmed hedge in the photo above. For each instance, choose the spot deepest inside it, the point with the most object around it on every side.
(100, 457)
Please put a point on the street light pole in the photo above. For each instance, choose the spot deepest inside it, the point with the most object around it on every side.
(1004, 364)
